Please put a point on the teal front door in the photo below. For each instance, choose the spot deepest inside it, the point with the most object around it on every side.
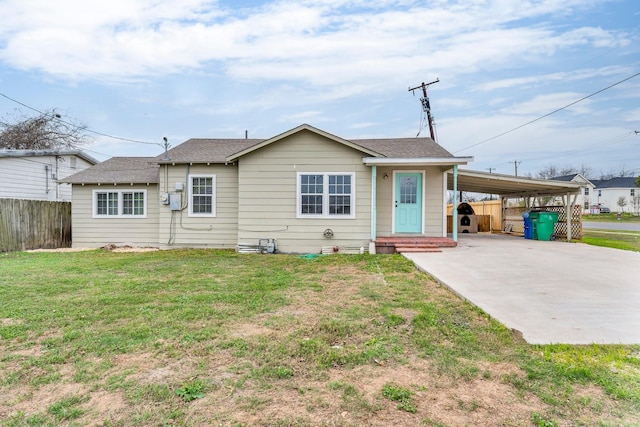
(408, 203)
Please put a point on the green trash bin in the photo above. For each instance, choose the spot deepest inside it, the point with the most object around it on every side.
(545, 225)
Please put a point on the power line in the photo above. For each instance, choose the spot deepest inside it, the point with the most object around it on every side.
(80, 127)
(546, 115)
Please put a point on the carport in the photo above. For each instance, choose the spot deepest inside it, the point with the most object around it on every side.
(511, 187)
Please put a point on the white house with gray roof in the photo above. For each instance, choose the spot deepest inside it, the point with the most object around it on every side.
(37, 174)
(304, 190)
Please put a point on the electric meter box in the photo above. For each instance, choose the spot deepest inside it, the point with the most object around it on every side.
(175, 201)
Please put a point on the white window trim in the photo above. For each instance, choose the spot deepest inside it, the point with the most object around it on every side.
(213, 196)
(94, 208)
(325, 196)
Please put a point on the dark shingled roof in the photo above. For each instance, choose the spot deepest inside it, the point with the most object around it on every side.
(200, 150)
(217, 150)
(618, 182)
(404, 148)
(564, 177)
(118, 170)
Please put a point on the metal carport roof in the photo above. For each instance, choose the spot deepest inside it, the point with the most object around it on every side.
(509, 185)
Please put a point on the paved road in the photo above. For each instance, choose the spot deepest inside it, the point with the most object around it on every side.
(631, 226)
(552, 292)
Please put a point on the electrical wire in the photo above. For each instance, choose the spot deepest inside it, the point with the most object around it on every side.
(80, 127)
(546, 115)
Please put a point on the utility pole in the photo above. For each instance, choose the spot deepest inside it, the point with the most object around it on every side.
(515, 164)
(426, 106)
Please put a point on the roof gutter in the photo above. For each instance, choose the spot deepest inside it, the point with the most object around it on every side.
(416, 161)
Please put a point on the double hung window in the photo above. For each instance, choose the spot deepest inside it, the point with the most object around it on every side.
(202, 197)
(326, 195)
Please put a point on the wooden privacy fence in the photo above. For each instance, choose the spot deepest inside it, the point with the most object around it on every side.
(489, 214)
(34, 224)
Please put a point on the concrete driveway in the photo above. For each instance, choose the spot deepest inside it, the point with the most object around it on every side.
(552, 292)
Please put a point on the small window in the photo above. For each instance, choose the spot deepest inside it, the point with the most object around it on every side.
(599, 193)
(202, 197)
(115, 204)
(586, 191)
(326, 195)
(633, 192)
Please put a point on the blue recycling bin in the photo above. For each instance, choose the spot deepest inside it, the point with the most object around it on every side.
(528, 226)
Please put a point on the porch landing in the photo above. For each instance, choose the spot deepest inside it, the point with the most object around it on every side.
(405, 244)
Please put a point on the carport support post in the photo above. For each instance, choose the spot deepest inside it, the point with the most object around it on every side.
(454, 212)
(568, 211)
(374, 183)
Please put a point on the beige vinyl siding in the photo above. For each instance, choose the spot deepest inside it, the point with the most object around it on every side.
(178, 229)
(433, 200)
(268, 192)
(434, 203)
(90, 232)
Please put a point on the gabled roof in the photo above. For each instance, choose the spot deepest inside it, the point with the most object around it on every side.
(618, 182)
(41, 153)
(569, 177)
(574, 177)
(119, 170)
(303, 127)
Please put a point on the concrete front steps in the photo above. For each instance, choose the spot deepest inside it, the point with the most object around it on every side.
(405, 244)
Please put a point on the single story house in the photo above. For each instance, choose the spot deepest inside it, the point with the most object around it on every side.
(36, 174)
(300, 191)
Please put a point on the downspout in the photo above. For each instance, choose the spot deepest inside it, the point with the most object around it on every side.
(454, 212)
(46, 180)
(374, 213)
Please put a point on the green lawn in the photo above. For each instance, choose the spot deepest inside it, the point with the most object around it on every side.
(612, 217)
(206, 337)
(619, 239)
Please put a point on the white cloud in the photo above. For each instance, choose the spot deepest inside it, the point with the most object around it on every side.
(321, 43)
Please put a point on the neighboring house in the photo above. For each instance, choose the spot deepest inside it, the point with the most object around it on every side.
(585, 198)
(605, 193)
(36, 174)
(608, 192)
(305, 189)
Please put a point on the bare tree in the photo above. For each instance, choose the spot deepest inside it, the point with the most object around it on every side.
(548, 172)
(622, 202)
(47, 131)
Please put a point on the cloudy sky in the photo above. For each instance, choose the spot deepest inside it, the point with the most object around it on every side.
(147, 69)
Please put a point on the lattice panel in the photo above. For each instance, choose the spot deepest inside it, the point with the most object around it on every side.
(515, 223)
